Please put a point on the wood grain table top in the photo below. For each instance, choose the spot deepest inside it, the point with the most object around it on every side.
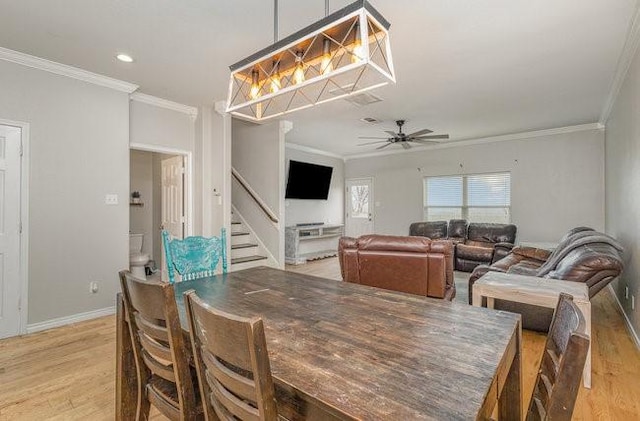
(540, 291)
(368, 353)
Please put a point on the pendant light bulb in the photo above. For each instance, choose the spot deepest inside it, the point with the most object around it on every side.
(298, 74)
(254, 92)
(276, 84)
(357, 54)
(326, 66)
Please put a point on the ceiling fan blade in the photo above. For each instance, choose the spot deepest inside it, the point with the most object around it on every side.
(435, 136)
(406, 145)
(425, 142)
(390, 133)
(371, 143)
(384, 146)
(372, 137)
(420, 133)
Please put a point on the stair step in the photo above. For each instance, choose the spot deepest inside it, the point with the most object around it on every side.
(235, 234)
(236, 223)
(247, 259)
(243, 246)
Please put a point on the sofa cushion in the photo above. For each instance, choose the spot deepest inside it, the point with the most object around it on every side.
(478, 254)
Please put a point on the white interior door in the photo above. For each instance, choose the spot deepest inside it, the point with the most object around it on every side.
(10, 283)
(359, 207)
(172, 200)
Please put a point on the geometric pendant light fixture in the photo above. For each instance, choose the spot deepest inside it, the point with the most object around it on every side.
(345, 53)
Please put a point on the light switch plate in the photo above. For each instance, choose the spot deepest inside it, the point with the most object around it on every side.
(111, 199)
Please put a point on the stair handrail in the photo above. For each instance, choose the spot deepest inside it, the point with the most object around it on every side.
(263, 206)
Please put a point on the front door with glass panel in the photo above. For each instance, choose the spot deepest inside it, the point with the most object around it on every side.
(359, 207)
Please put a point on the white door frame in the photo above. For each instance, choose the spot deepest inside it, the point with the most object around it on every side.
(24, 218)
(188, 182)
(347, 201)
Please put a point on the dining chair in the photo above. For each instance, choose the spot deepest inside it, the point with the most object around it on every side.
(232, 363)
(161, 350)
(194, 257)
(562, 364)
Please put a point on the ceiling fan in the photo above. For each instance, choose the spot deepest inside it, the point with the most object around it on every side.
(420, 137)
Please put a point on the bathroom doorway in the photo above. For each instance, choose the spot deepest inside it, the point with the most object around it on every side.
(160, 198)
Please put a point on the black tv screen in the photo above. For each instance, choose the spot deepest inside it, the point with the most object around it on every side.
(308, 181)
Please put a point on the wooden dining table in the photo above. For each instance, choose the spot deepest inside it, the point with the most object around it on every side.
(345, 351)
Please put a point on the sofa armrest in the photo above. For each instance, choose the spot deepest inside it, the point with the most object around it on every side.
(500, 251)
(540, 255)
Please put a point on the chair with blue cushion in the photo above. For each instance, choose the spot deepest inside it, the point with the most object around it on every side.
(194, 257)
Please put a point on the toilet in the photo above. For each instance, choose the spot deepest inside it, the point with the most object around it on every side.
(137, 259)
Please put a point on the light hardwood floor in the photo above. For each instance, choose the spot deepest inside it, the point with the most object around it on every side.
(68, 373)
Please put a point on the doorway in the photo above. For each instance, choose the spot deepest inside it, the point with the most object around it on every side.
(13, 234)
(160, 199)
(359, 217)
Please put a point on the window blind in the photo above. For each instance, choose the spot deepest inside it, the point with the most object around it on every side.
(475, 197)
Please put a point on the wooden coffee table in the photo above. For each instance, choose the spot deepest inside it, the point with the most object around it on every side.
(537, 291)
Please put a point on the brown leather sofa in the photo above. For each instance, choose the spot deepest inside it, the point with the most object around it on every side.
(582, 255)
(475, 243)
(414, 265)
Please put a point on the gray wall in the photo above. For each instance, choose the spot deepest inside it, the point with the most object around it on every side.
(328, 211)
(557, 181)
(79, 140)
(622, 177)
(141, 180)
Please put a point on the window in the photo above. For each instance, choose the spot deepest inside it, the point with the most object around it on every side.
(475, 197)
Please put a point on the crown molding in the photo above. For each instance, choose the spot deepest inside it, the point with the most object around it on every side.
(492, 139)
(624, 63)
(65, 70)
(309, 149)
(164, 103)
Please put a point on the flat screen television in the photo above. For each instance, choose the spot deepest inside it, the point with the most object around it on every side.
(308, 181)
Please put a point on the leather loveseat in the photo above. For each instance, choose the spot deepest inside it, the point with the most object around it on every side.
(414, 265)
(475, 243)
(582, 255)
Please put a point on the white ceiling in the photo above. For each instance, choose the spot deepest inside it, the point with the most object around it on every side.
(468, 68)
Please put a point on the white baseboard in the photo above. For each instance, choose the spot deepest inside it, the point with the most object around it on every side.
(67, 320)
(632, 332)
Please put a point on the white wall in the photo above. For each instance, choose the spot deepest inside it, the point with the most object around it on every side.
(329, 211)
(258, 155)
(557, 181)
(623, 185)
(141, 180)
(171, 130)
(79, 139)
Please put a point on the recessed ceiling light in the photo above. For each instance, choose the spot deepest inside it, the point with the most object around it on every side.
(125, 58)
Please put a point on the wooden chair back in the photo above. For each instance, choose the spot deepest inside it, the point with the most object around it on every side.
(161, 352)
(560, 373)
(232, 363)
(194, 257)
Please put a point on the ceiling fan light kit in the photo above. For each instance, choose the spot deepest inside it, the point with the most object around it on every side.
(345, 53)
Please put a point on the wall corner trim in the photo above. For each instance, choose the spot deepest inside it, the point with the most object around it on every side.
(65, 70)
(491, 139)
(66, 320)
(164, 103)
(632, 332)
(309, 149)
(624, 63)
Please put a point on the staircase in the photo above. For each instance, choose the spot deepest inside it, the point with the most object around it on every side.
(246, 250)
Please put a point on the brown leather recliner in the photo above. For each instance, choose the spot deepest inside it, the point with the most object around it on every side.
(583, 255)
(485, 243)
(414, 265)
